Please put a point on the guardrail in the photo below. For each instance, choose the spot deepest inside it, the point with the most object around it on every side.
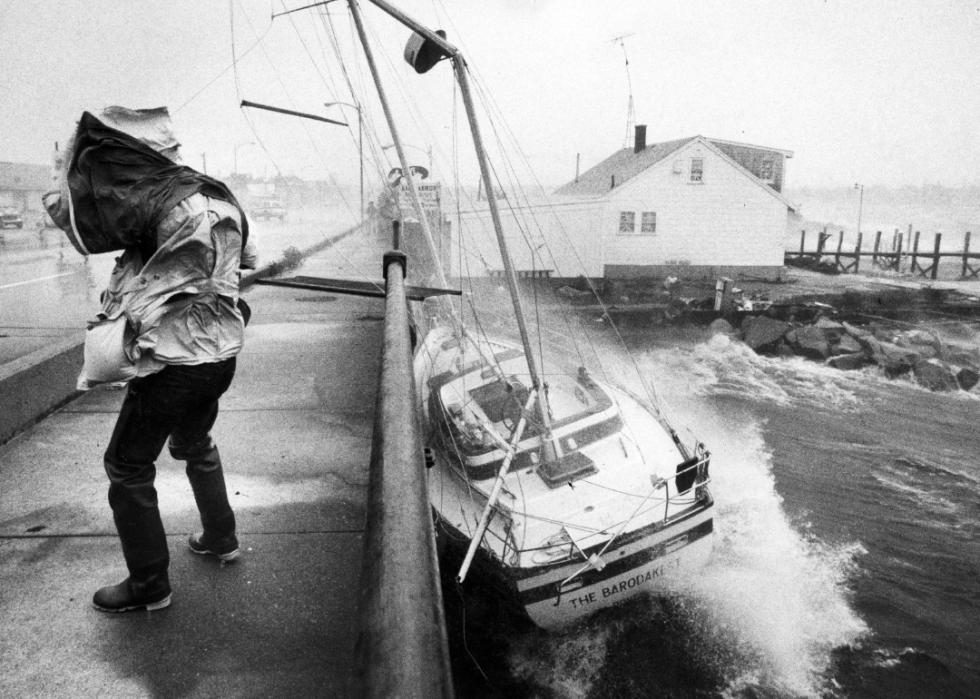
(402, 649)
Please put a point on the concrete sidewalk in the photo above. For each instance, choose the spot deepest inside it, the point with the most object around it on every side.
(295, 435)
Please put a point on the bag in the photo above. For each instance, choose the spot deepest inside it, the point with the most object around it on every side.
(106, 358)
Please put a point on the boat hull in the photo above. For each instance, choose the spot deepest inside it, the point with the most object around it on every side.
(649, 564)
(649, 561)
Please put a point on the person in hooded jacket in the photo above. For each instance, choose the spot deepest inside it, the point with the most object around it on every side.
(174, 293)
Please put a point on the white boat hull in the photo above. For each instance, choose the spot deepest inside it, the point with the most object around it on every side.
(652, 560)
(562, 548)
(647, 566)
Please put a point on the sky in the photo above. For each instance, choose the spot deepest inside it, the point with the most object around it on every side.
(877, 92)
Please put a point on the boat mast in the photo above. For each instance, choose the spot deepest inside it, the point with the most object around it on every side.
(440, 278)
(552, 450)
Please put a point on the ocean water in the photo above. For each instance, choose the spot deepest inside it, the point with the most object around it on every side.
(846, 559)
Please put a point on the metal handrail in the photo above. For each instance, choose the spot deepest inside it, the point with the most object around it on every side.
(402, 648)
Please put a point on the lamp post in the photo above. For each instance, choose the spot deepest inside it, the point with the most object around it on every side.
(860, 205)
(427, 152)
(243, 143)
(360, 142)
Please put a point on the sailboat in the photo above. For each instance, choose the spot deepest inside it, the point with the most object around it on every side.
(563, 492)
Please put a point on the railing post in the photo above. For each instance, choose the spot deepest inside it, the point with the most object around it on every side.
(915, 253)
(402, 648)
(821, 240)
(840, 242)
(935, 256)
(966, 252)
(803, 241)
(898, 253)
(857, 254)
(874, 256)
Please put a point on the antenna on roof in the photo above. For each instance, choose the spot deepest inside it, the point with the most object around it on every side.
(630, 119)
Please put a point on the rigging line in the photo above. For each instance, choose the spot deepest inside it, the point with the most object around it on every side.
(305, 129)
(365, 138)
(234, 60)
(651, 392)
(561, 307)
(326, 61)
(524, 233)
(230, 66)
(373, 143)
(307, 49)
(658, 403)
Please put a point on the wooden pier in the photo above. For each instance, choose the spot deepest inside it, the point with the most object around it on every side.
(925, 264)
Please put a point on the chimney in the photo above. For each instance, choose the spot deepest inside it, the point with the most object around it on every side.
(640, 140)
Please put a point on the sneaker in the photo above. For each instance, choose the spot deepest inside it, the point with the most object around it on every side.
(197, 545)
(128, 596)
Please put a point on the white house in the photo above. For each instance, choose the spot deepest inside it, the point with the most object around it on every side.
(694, 207)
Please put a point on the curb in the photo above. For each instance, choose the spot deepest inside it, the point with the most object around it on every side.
(35, 385)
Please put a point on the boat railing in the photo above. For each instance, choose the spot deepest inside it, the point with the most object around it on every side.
(695, 469)
(402, 647)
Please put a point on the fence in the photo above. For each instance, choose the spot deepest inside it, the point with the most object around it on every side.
(885, 260)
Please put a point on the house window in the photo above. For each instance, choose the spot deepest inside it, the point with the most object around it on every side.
(627, 221)
(697, 169)
(648, 222)
(766, 171)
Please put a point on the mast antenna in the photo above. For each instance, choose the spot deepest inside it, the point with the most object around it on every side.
(630, 118)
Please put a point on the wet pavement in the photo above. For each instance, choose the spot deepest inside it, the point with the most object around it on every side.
(295, 436)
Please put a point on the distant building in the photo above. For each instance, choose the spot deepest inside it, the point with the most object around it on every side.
(694, 207)
(22, 185)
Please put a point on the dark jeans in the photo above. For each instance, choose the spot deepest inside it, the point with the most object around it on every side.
(180, 402)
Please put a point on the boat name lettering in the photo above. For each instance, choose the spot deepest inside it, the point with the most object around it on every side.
(582, 600)
(640, 579)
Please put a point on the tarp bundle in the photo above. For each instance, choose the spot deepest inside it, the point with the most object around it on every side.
(119, 187)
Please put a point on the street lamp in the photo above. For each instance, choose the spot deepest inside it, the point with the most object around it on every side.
(243, 143)
(427, 152)
(860, 205)
(360, 142)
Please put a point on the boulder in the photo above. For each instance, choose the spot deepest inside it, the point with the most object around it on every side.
(811, 343)
(935, 375)
(720, 326)
(869, 344)
(846, 345)
(967, 378)
(895, 360)
(963, 357)
(849, 362)
(831, 329)
(853, 330)
(763, 332)
(919, 337)
(783, 349)
(884, 334)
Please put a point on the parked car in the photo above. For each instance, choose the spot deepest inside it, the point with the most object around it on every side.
(265, 209)
(11, 218)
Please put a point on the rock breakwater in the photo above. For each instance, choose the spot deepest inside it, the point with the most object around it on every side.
(935, 362)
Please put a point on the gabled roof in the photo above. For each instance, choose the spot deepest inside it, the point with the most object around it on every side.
(625, 165)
